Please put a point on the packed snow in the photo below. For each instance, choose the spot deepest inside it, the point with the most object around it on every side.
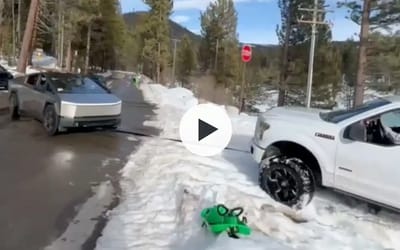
(164, 188)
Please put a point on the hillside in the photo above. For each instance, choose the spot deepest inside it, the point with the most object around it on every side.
(133, 19)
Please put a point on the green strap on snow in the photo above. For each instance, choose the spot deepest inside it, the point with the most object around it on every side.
(220, 219)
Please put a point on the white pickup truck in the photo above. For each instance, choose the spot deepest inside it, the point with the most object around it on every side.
(355, 151)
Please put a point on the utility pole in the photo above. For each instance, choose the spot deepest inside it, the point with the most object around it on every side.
(28, 36)
(174, 59)
(314, 22)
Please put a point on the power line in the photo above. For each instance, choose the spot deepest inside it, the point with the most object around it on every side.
(314, 22)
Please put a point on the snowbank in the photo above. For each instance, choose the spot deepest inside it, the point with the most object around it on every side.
(175, 102)
(269, 98)
(179, 98)
(164, 188)
(29, 69)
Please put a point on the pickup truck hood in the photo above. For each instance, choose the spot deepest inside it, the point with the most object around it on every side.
(90, 98)
(294, 113)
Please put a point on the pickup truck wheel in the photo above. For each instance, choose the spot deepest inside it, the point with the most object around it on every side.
(288, 181)
(50, 120)
(13, 107)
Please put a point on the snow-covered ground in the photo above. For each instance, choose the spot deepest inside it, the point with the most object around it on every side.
(269, 98)
(164, 188)
(13, 69)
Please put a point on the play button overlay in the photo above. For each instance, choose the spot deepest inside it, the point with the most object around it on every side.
(205, 129)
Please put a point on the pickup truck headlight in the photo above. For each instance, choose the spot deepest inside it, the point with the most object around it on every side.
(262, 126)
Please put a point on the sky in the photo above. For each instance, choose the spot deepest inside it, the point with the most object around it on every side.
(257, 19)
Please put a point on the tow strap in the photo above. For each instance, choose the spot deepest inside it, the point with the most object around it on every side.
(136, 133)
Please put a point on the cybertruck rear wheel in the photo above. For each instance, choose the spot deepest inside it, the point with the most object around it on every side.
(288, 181)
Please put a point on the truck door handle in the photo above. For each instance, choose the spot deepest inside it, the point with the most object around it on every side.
(345, 169)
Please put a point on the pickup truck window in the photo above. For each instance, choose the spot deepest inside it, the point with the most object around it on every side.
(341, 115)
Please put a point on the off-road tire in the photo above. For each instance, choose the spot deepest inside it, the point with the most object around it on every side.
(287, 180)
(50, 120)
(13, 107)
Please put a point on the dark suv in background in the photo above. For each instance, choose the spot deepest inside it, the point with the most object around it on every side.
(4, 77)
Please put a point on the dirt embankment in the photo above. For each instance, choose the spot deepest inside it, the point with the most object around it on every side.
(206, 88)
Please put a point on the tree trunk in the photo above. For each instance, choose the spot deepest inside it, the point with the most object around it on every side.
(19, 25)
(62, 41)
(158, 62)
(1, 11)
(284, 59)
(14, 46)
(362, 54)
(27, 41)
(68, 61)
(87, 56)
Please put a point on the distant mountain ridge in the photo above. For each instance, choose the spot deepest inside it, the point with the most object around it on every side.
(132, 19)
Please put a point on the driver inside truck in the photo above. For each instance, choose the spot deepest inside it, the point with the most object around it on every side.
(380, 129)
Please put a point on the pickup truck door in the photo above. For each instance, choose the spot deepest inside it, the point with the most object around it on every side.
(369, 170)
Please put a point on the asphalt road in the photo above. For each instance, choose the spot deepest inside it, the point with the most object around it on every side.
(44, 180)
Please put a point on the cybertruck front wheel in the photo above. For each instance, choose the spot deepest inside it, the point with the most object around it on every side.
(50, 120)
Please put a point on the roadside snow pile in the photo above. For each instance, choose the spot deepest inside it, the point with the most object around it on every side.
(179, 98)
(13, 69)
(175, 102)
(164, 188)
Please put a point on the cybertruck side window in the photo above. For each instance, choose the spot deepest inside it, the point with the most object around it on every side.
(32, 79)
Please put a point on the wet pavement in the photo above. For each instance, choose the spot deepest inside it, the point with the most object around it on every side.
(44, 180)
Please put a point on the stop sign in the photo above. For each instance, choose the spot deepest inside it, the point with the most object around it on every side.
(246, 53)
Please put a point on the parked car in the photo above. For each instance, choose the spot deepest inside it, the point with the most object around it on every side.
(354, 151)
(5, 76)
(63, 100)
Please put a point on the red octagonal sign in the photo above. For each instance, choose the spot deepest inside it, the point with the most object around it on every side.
(246, 53)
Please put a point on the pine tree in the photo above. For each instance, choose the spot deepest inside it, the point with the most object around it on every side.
(156, 38)
(369, 14)
(219, 49)
(186, 62)
(295, 39)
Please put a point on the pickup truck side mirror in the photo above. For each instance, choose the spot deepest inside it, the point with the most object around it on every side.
(356, 132)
